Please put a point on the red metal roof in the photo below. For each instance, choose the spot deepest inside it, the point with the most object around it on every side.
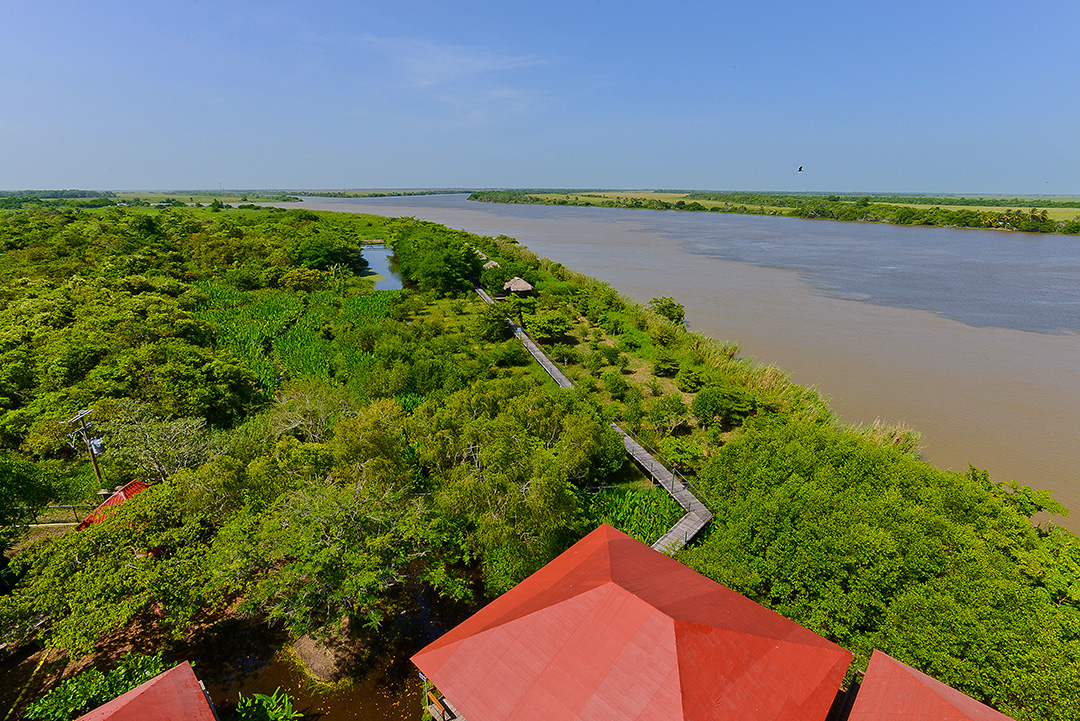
(171, 696)
(125, 493)
(894, 691)
(612, 629)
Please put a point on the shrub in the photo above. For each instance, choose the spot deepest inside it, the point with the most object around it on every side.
(260, 707)
(722, 404)
(665, 364)
(615, 384)
(88, 690)
(689, 380)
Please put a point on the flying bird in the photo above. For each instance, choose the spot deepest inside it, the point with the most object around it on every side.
(800, 168)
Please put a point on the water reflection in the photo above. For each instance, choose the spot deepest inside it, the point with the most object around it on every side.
(379, 264)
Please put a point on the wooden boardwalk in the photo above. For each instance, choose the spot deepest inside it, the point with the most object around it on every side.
(697, 515)
(541, 357)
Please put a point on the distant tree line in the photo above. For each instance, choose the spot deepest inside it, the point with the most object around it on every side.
(374, 193)
(827, 207)
(57, 194)
(785, 199)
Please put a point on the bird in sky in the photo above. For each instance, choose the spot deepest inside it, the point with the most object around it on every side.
(800, 168)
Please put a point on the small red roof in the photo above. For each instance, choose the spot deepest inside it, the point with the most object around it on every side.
(132, 489)
(612, 629)
(175, 695)
(894, 691)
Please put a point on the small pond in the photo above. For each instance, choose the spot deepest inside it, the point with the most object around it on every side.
(382, 268)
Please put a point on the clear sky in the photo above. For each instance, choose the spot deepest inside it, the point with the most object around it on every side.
(945, 96)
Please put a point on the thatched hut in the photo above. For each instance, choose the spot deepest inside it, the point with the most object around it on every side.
(517, 285)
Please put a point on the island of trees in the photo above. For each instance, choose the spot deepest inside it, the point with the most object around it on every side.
(328, 459)
(1028, 215)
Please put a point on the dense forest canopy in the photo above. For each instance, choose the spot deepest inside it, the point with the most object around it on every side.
(320, 451)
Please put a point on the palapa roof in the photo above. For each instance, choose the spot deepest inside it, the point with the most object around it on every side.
(612, 629)
(517, 285)
(894, 691)
(174, 695)
(131, 489)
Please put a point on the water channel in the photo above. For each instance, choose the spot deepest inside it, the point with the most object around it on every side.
(378, 258)
(971, 337)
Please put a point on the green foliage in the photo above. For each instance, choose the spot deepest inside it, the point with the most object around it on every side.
(435, 258)
(723, 404)
(491, 323)
(86, 691)
(669, 308)
(614, 383)
(148, 554)
(547, 325)
(364, 443)
(511, 454)
(877, 550)
(667, 413)
(261, 707)
(151, 447)
(689, 380)
(681, 452)
(24, 490)
(642, 512)
(665, 364)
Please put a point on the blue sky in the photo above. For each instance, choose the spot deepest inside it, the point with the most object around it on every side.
(957, 97)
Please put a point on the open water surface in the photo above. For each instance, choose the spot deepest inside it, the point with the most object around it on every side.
(378, 258)
(972, 337)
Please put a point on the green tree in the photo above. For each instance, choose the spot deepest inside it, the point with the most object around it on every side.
(723, 404)
(491, 322)
(147, 554)
(151, 446)
(548, 325)
(24, 491)
(669, 308)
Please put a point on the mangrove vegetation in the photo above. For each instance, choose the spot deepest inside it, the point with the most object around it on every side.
(319, 453)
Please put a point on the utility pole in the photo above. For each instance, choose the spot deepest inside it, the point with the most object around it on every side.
(83, 431)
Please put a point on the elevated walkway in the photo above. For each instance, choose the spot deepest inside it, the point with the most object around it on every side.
(697, 515)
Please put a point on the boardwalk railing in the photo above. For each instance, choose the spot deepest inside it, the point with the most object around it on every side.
(697, 515)
(541, 357)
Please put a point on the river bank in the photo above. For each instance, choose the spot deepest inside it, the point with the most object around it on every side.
(1002, 399)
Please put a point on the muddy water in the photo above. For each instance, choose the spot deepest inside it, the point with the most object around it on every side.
(969, 336)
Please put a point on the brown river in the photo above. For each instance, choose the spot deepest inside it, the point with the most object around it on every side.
(971, 337)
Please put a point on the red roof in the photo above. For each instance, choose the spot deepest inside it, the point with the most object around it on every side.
(612, 629)
(171, 696)
(892, 691)
(132, 489)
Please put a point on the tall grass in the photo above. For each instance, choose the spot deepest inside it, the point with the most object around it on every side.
(247, 323)
(280, 333)
(644, 512)
(309, 348)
